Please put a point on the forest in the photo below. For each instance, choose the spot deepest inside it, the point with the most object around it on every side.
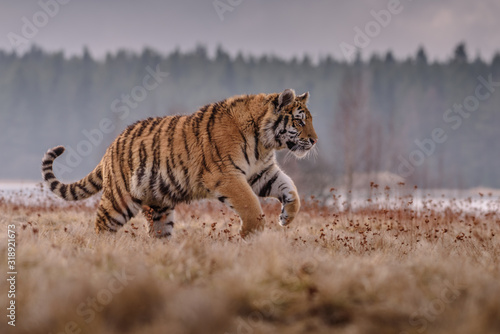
(435, 124)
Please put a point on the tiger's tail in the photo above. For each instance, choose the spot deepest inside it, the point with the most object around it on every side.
(86, 187)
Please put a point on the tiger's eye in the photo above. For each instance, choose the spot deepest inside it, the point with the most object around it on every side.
(300, 122)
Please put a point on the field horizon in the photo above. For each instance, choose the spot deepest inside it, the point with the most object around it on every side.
(375, 269)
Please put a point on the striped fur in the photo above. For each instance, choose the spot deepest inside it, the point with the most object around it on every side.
(86, 187)
(226, 150)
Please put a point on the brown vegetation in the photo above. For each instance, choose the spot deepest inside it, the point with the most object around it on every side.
(373, 270)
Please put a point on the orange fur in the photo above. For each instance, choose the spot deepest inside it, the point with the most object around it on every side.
(226, 150)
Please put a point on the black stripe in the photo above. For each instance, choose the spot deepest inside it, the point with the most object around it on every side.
(277, 122)
(208, 111)
(52, 154)
(47, 163)
(197, 120)
(155, 147)
(140, 126)
(130, 214)
(210, 126)
(116, 205)
(126, 159)
(154, 208)
(204, 164)
(203, 169)
(49, 176)
(47, 168)
(132, 137)
(280, 187)
(53, 185)
(167, 191)
(178, 186)
(58, 150)
(244, 149)
(113, 176)
(222, 198)
(85, 190)
(109, 218)
(285, 122)
(236, 101)
(125, 136)
(73, 191)
(92, 182)
(211, 120)
(119, 155)
(282, 199)
(164, 188)
(63, 191)
(212, 112)
(196, 125)
(120, 195)
(116, 163)
(266, 190)
(144, 124)
(98, 173)
(256, 148)
(101, 222)
(161, 211)
(259, 120)
(157, 217)
(142, 162)
(256, 177)
(184, 135)
(219, 156)
(235, 165)
(245, 154)
(170, 144)
(180, 192)
(154, 124)
(185, 171)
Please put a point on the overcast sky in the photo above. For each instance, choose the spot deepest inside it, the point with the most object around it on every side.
(285, 28)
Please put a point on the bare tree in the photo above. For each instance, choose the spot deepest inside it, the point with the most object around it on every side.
(352, 106)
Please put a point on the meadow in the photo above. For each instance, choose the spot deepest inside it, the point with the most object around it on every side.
(376, 269)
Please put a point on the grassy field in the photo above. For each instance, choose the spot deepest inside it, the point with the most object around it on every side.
(370, 271)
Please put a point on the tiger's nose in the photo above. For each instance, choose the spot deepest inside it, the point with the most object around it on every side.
(313, 141)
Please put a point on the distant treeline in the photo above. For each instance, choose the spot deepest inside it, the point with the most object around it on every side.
(435, 124)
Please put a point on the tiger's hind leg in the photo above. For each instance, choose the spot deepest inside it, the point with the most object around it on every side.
(160, 221)
(114, 211)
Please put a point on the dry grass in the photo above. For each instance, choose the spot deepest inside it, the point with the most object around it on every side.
(371, 271)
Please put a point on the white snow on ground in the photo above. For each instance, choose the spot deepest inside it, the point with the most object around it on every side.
(467, 201)
(33, 193)
(478, 200)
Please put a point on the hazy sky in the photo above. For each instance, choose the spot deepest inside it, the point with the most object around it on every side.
(284, 28)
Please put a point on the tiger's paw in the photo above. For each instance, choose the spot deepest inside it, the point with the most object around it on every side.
(285, 219)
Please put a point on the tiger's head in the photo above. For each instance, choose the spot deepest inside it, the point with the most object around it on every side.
(289, 124)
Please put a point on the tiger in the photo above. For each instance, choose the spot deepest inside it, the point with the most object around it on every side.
(225, 151)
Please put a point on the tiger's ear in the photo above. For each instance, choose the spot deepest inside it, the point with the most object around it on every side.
(285, 98)
(303, 98)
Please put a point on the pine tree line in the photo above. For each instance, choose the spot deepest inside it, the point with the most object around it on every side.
(374, 115)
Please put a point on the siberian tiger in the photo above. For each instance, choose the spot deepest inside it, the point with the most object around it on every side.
(225, 150)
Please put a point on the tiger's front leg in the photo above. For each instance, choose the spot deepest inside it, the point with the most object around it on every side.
(273, 182)
(237, 194)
